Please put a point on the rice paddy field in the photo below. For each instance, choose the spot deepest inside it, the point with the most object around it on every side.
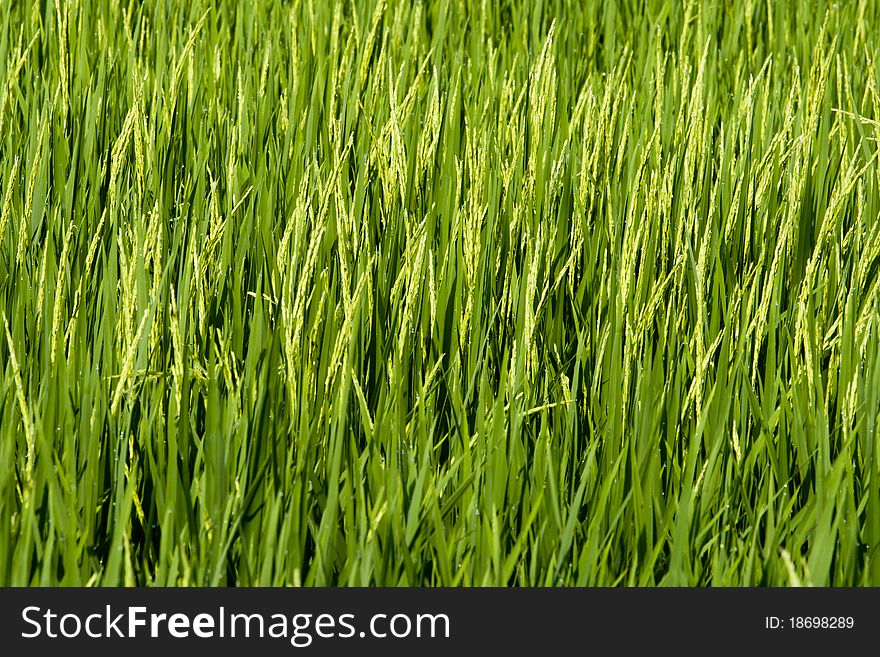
(439, 292)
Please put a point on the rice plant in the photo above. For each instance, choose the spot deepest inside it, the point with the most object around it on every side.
(439, 292)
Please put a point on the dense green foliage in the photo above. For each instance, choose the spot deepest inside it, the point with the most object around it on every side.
(439, 292)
